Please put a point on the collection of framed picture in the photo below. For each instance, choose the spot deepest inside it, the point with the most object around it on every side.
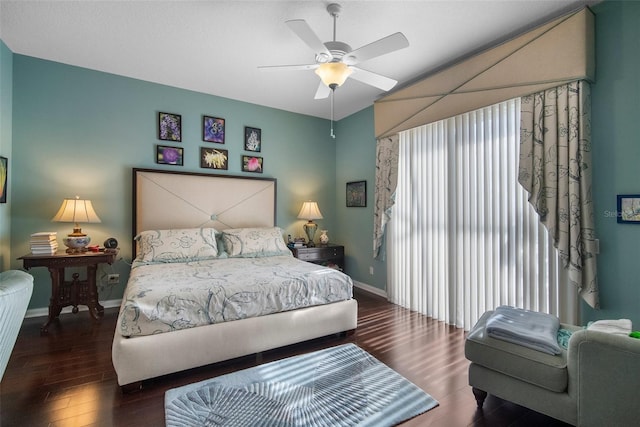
(213, 130)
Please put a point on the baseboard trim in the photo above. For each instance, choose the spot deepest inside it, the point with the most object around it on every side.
(44, 311)
(370, 289)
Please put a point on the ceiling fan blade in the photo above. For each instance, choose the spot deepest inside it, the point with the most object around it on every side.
(372, 79)
(301, 67)
(323, 91)
(377, 48)
(304, 31)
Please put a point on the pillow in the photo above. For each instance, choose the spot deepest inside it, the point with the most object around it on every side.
(254, 242)
(177, 245)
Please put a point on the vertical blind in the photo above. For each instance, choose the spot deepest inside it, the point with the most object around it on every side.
(463, 239)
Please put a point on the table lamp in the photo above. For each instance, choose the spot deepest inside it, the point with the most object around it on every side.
(310, 212)
(76, 211)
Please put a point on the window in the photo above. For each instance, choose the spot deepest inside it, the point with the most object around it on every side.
(463, 238)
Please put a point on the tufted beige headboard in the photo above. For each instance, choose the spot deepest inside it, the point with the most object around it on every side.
(167, 199)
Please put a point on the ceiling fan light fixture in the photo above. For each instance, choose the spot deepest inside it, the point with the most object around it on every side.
(333, 74)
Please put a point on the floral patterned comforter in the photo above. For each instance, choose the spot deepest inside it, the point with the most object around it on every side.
(170, 296)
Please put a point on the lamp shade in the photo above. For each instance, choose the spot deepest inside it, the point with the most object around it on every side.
(76, 210)
(333, 74)
(310, 211)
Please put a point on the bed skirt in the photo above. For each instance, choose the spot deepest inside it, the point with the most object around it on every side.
(140, 358)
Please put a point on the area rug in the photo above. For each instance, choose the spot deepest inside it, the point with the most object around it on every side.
(338, 386)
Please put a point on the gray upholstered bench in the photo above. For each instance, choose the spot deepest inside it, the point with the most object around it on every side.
(591, 383)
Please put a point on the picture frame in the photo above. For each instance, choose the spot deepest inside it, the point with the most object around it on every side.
(213, 129)
(252, 164)
(356, 193)
(628, 209)
(4, 173)
(169, 127)
(166, 155)
(214, 158)
(252, 139)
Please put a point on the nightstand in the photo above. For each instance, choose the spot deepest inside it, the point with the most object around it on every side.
(326, 255)
(76, 292)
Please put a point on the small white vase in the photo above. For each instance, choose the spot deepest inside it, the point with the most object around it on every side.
(324, 239)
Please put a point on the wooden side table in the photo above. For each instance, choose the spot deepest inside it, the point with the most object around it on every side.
(328, 255)
(76, 292)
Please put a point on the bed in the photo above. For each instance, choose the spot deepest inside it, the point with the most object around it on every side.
(168, 330)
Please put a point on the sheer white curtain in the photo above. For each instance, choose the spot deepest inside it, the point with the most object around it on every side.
(463, 239)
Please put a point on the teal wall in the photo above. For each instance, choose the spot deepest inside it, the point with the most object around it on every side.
(6, 126)
(616, 155)
(80, 132)
(356, 161)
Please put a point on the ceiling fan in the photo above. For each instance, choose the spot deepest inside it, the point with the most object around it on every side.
(335, 60)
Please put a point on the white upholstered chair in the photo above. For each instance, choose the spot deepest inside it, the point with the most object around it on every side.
(15, 292)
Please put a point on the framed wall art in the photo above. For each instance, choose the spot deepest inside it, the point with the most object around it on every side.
(4, 172)
(629, 209)
(214, 158)
(357, 194)
(252, 164)
(166, 155)
(213, 129)
(252, 139)
(170, 127)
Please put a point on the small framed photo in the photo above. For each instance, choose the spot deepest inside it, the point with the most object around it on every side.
(166, 155)
(4, 172)
(357, 194)
(252, 164)
(170, 127)
(213, 129)
(214, 158)
(629, 208)
(252, 139)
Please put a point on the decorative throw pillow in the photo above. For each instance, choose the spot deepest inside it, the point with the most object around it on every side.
(177, 245)
(254, 242)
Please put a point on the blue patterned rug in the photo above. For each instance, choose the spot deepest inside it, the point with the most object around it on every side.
(338, 386)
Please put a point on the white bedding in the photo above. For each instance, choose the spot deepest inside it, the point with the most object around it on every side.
(170, 296)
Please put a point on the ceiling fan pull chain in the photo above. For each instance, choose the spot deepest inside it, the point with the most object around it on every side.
(333, 135)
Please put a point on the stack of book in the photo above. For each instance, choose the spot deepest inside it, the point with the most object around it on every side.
(44, 243)
(299, 242)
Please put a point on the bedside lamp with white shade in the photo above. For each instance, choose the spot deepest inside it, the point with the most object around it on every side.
(76, 211)
(310, 211)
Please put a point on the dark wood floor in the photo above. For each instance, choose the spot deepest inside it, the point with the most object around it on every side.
(67, 379)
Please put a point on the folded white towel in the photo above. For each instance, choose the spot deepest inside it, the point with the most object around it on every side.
(617, 327)
(538, 331)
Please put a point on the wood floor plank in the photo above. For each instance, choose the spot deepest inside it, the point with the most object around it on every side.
(66, 378)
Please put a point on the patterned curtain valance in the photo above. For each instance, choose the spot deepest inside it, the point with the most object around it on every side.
(552, 54)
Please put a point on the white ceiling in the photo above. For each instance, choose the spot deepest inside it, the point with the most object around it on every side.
(216, 46)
